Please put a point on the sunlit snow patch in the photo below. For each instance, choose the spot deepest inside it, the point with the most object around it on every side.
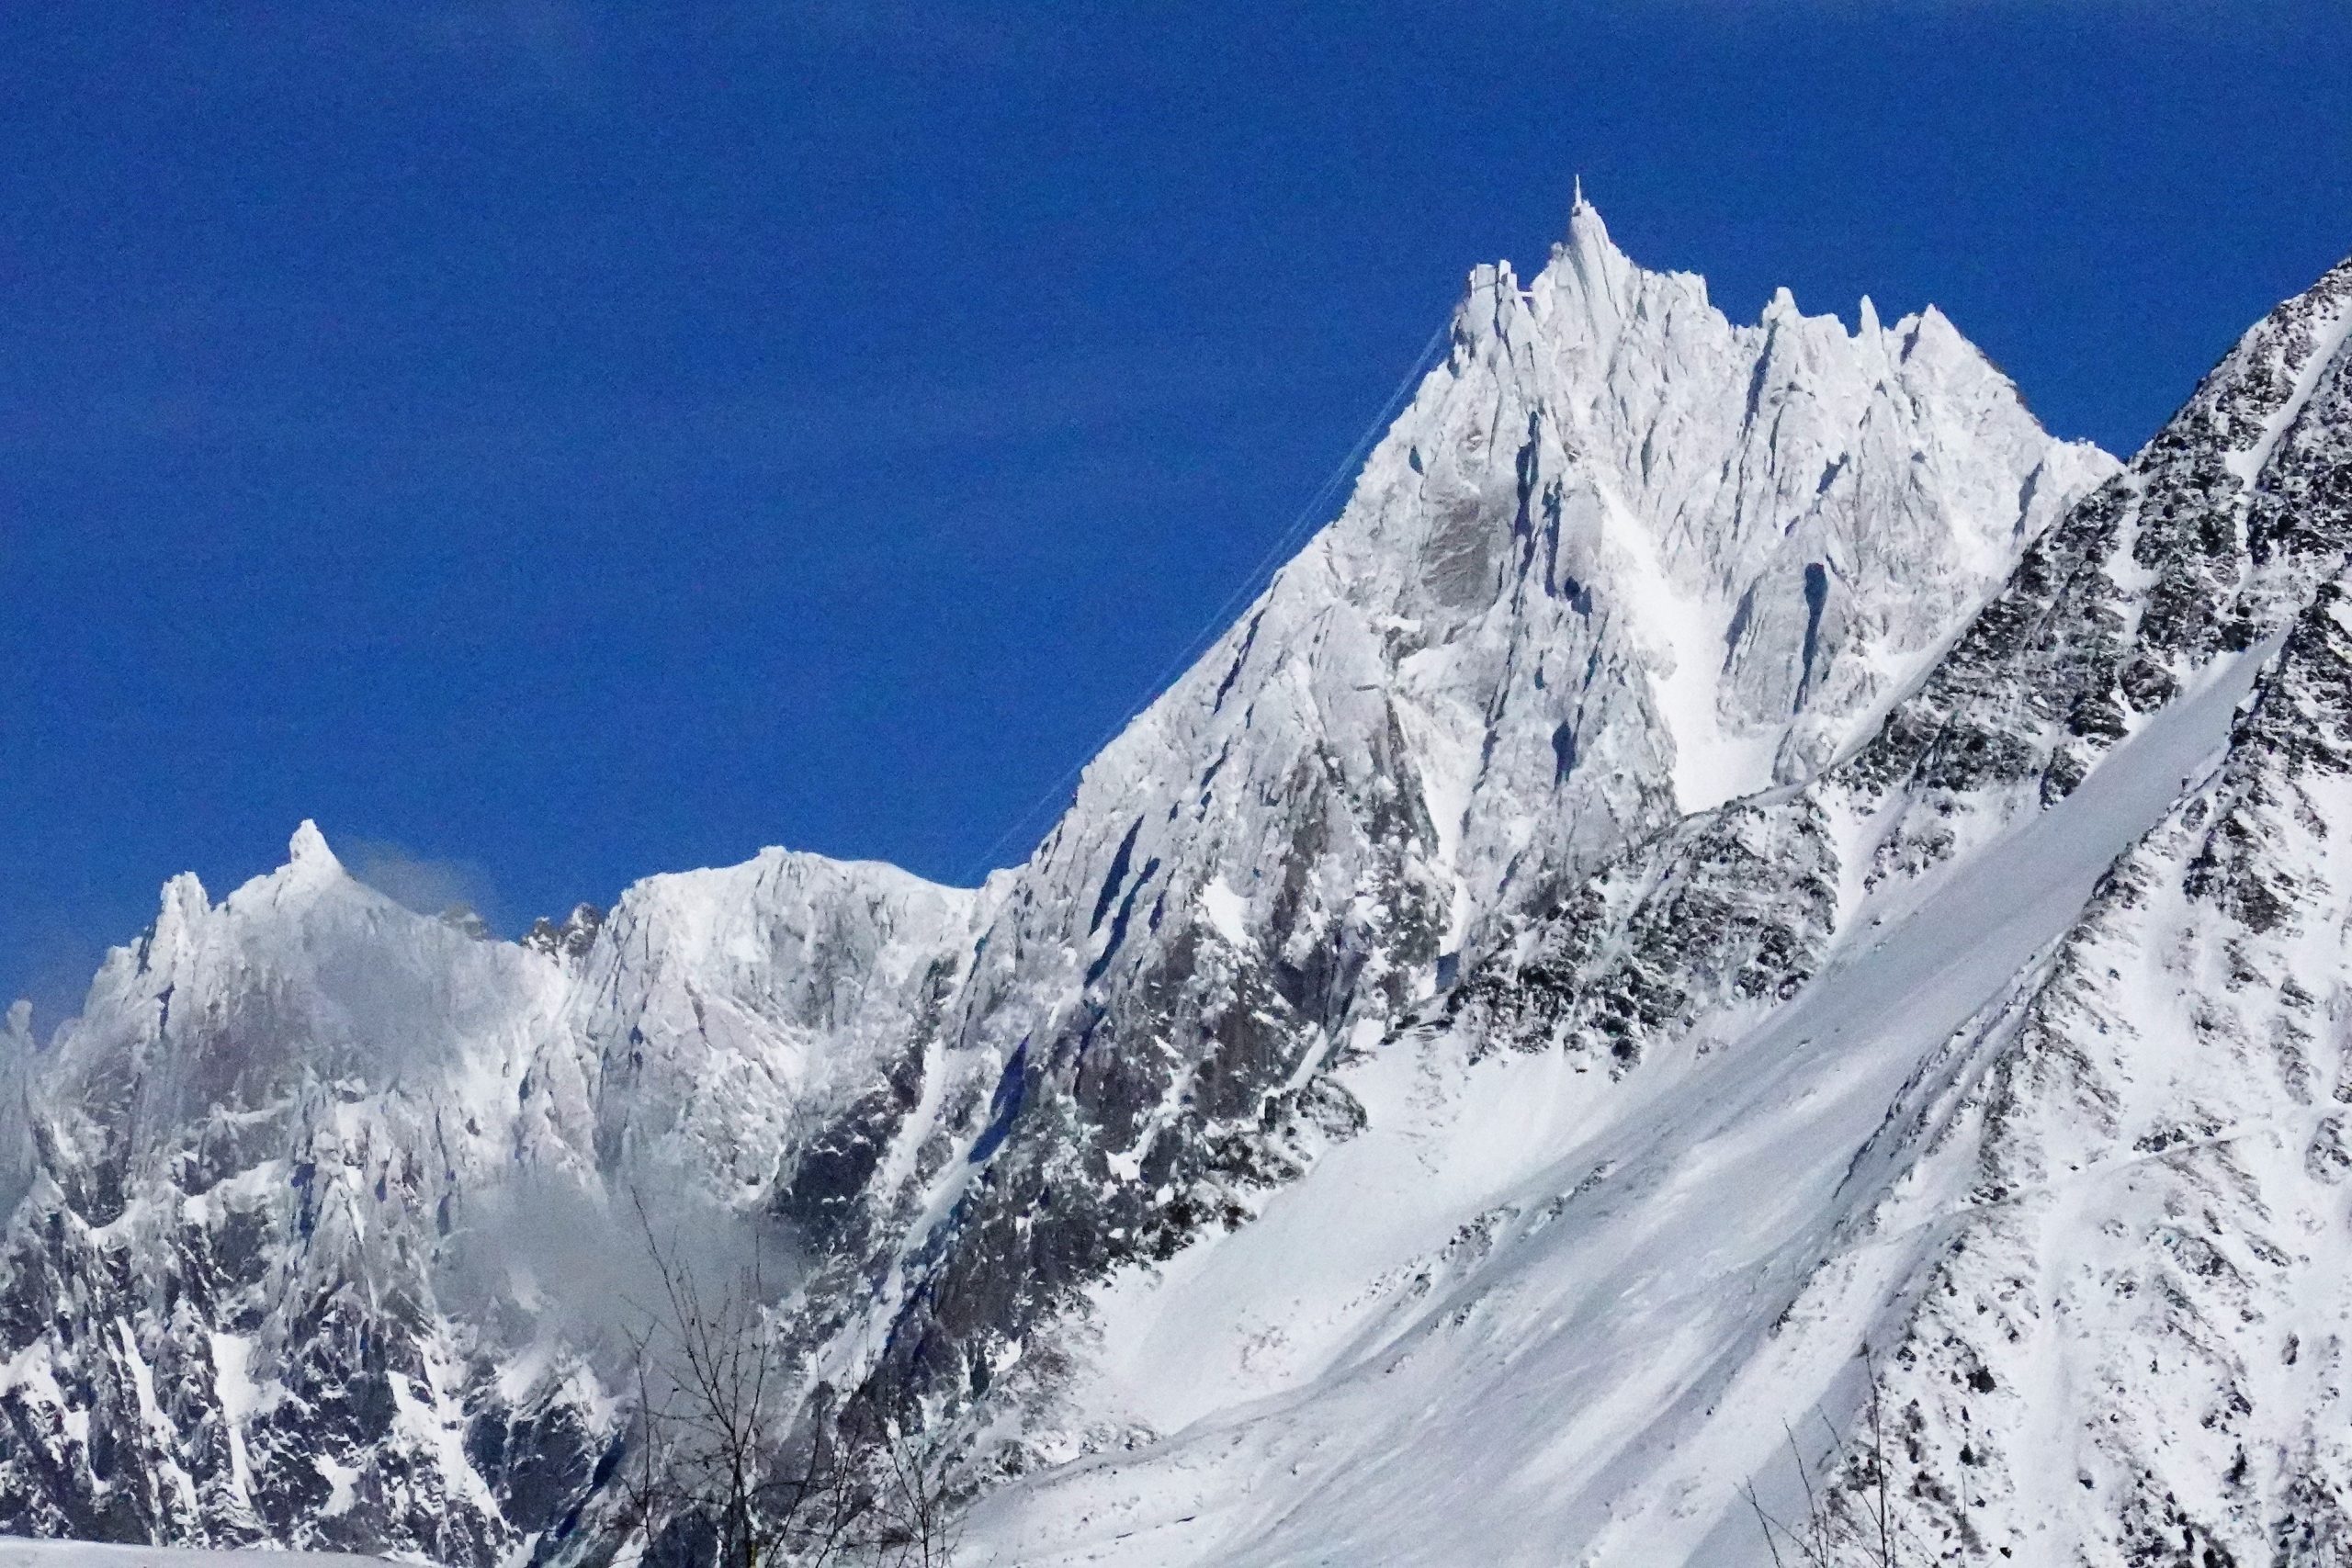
(1226, 911)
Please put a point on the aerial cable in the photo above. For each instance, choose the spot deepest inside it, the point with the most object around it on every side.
(1310, 516)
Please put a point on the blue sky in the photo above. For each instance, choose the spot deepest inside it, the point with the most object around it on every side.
(550, 441)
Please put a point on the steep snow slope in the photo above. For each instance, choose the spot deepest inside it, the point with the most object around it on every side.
(1889, 1060)
(325, 1203)
(2130, 1262)
(1547, 1286)
(1618, 556)
(2138, 1161)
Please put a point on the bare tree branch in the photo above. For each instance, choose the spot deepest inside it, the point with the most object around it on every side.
(1856, 1521)
(718, 1457)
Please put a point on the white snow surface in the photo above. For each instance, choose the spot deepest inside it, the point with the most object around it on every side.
(1623, 574)
(1531, 1306)
(18, 1552)
(2056, 1127)
(1619, 558)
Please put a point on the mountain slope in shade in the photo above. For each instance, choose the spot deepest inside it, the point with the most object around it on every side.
(321, 1199)
(2008, 1050)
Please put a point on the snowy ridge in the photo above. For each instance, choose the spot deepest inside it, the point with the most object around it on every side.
(371, 1168)
(1490, 1043)
(1447, 706)
(1784, 1082)
(1578, 1270)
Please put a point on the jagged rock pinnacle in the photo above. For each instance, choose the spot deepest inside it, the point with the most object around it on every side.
(309, 847)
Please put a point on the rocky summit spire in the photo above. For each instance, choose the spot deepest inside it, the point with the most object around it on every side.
(307, 844)
(1589, 260)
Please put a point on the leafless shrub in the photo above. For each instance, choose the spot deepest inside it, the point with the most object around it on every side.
(1853, 1525)
(719, 1473)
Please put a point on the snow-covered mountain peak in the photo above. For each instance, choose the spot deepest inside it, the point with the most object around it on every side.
(1619, 557)
(1766, 493)
(182, 904)
(2008, 1049)
(1601, 272)
(308, 848)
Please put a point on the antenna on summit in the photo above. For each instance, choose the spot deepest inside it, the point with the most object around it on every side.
(1579, 200)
